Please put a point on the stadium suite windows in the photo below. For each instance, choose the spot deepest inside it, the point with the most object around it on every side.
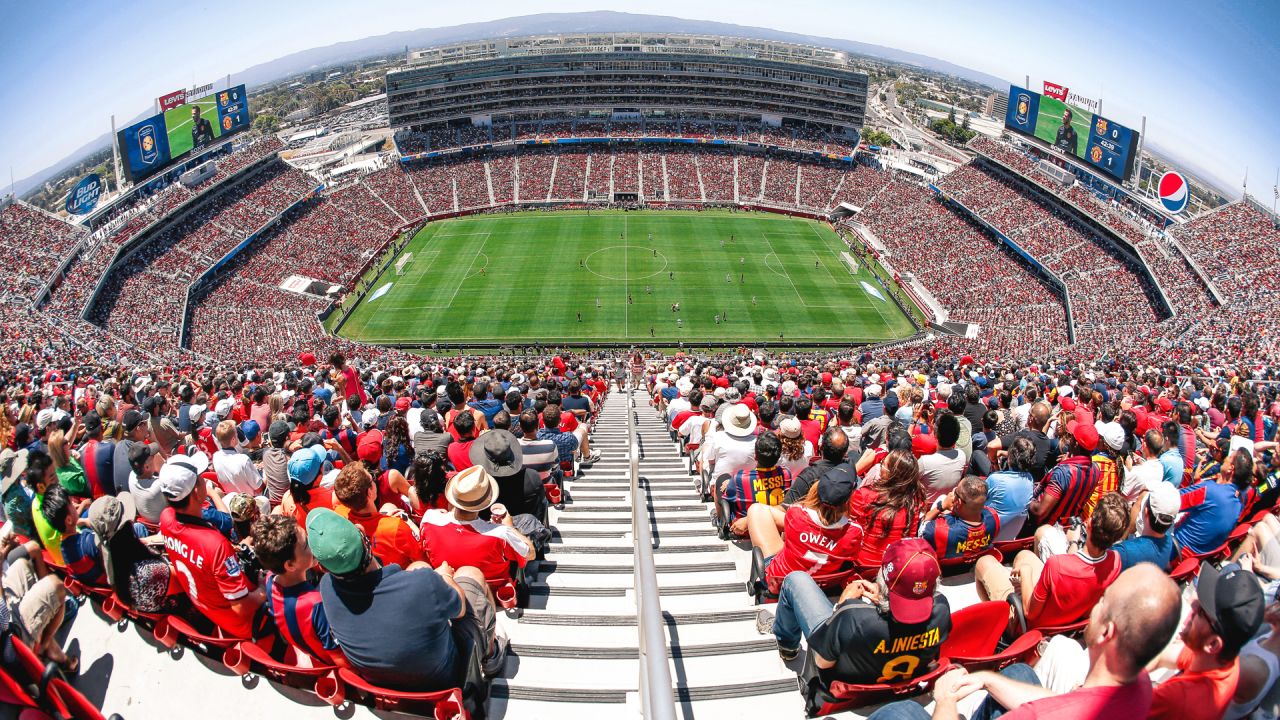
(503, 77)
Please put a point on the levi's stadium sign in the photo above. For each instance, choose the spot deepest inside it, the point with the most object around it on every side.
(1057, 92)
(172, 100)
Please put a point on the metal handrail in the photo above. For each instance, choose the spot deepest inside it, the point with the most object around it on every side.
(656, 697)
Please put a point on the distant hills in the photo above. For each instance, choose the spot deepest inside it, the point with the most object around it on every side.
(546, 23)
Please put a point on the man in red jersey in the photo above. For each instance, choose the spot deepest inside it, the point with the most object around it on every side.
(205, 562)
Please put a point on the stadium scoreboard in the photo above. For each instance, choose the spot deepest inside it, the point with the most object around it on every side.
(157, 142)
(1101, 143)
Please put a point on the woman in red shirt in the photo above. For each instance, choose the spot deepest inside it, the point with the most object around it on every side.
(819, 537)
(888, 508)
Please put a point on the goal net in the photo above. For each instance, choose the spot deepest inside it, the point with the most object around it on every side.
(849, 262)
(402, 262)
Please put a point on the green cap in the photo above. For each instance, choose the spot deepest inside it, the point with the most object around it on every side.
(335, 541)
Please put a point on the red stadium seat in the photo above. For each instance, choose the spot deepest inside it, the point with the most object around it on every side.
(765, 588)
(291, 670)
(171, 629)
(840, 696)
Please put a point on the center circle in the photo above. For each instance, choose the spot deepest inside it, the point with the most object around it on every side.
(626, 262)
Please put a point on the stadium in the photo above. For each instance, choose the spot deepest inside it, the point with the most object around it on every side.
(734, 377)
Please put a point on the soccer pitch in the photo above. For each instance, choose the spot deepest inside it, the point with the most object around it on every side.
(613, 276)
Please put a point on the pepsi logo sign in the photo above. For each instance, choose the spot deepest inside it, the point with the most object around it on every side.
(1173, 191)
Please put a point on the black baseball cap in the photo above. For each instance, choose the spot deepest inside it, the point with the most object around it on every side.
(278, 432)
(1233, 601)
(132, 419)
(92, 422)
(835, 487)
(140, 453)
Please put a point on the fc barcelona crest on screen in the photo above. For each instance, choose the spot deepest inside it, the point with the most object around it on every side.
(1100, 126)
(222, 98)
(147, 144)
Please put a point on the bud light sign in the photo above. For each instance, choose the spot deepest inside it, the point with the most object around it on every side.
(83, 198)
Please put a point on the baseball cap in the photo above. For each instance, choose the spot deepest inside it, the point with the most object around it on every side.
(835, 487)
(1084, 433)
(223, 408)
(92, 422)
(278, 432)
(1111, 433)
(922, 445)
(140, 453)
(789, 428)
(369, 446)
(323, 394)
(911, 570)
(1233, 601)
(826, 378)
(132, 419)
(1164, 501)
(179, 475)
(335, 541)
(109, 515)
(1164, 404)
(370, 417)
(306, 465)
(708, 402)
(732, 395)
(403, 403)
(1067, 403)
(250, 429)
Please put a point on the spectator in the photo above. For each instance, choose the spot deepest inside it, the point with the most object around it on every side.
(235, 469)
(566, 443)
(97, 457)
(136, 574)
(428, 478)
(392, 539)
(144, 487)
(888, 508)
(208, 569)
(1211, 508)
(960, 527)
(1258, 665)
(1009, 489)
(396, 625)
(796, 450)
(136, 430)
(862, 638)
(1062, 495)
(941, 471)
(542, 456)
(275, 462)
(1152, 540)
(519, 487)
(36, 601)
(306, 466)
(432, 436)
(1061, 589)
(293, 602)
(460, 537)
(834, 452)
(765, 483)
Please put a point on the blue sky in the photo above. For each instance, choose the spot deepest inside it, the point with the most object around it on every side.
(1200, 71)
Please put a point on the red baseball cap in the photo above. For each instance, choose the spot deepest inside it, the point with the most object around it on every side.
(369, 446)
(403, 403)
(307, 359)
(1067, 403)
(1164, 404)
(1084, 432)
(922, 445)
(826, 378)
(911, 570)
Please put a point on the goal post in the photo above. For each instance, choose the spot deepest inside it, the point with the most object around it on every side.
(404, 260)
(850, 263)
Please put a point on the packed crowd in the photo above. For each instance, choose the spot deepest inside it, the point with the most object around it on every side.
(801, 137)
(36, 244)
(1068, 491)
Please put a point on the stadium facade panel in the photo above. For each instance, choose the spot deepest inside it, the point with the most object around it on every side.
(640, 74)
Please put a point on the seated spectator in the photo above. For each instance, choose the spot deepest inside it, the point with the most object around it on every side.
(883, 631)
(396, 626)
(459, 537)
(38, 478)
(1009, 489)
(1227, 610)
(833, 452)
(137, 574)
(796, 449)
(1062, 588)
(540, 455)
(566, 442)
(960, 527)
(306, 466)
(765, 483)
(1148, 470)
(519, 487)
(814, 535)
(1127, 629)
(81, 549)
(145, 462)
(1259, 665)
(70, 474)
(1064, 492)
(1151, 540)
(1037, 419)
(428, 479)
(235, 469)
(275, 462)
(392, 539)
(888, 508)
(293, 601)
(1210, 509)
(35, 600)
(942, 470)
(731, 448)
(208, 569)
(432, 436)
(97, 457)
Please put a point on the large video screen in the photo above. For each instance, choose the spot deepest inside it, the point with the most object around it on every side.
(1102, 143)
(157, 142)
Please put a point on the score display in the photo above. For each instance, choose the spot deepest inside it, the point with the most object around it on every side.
(159, 141)
(1102, 143)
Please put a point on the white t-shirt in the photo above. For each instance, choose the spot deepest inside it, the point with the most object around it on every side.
(730, 454)
(236, 472)
(147, 497)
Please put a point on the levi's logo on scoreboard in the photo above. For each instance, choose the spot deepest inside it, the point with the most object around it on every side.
(1055, 91)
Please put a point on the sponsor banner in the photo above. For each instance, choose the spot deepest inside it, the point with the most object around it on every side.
(83, 198)
(1055, 91)
(1174, 192)
(172, 100)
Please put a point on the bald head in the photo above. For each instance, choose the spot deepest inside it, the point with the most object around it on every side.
(1145, 606)
(1039, 416)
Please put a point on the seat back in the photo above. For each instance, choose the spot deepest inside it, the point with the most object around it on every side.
(976, 629)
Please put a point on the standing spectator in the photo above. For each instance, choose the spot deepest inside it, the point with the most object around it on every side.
(394, 624)
(348, 379)
(207, 566)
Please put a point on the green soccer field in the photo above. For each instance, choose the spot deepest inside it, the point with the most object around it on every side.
(612, 276)
(178, 124)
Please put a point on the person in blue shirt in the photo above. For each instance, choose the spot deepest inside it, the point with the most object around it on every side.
(1009, 490)
(960, 527)
(1172, 462)
(1211, 509)
(1152, 542)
